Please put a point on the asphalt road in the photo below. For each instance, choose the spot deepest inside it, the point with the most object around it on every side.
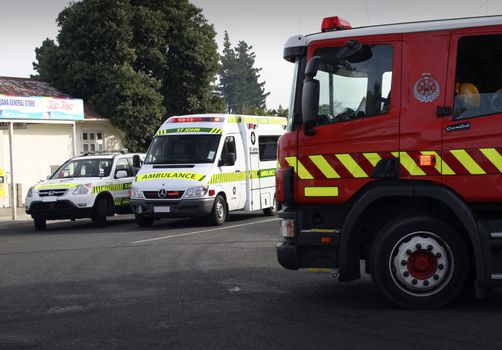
(77, 287)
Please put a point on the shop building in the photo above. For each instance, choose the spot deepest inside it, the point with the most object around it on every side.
(40, 128)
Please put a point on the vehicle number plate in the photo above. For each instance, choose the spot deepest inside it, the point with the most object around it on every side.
(163, 209)
(49, 199)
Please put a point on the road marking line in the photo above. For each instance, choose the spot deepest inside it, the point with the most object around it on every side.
(203, 231)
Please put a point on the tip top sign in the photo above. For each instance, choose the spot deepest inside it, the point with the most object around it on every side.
(48, 108)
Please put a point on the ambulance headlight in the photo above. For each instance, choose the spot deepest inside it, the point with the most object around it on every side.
(136, 193)
(195, 192)
(31, 192)
(82, 190)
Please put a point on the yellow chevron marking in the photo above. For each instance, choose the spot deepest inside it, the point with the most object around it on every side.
(321, 191)
(350, 164)
(408, 163)
(324, 166)
(466, 160)
(373, 158)
(302, 172)
(493, 156)
(441, 165)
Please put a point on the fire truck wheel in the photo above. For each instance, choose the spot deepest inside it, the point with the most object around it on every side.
(419, 262)
(272, 211)
(219, 213)
(99, 212)
(40, 224)
(143, 221)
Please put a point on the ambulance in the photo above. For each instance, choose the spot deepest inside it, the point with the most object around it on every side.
(208, 165)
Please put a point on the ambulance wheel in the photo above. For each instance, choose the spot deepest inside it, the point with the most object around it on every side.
(40, 224)
(219, 213)
(419, 262)
(272, 211)
(143, 221)
(99, 214)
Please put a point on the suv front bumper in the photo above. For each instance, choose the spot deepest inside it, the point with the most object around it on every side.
(61, 209)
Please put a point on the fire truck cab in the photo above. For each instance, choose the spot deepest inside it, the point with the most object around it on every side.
(393, 157)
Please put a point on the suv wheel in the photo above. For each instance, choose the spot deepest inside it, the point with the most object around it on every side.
(99, 212)
(40, 224)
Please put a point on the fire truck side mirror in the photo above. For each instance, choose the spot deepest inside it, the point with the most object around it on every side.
(310, 96)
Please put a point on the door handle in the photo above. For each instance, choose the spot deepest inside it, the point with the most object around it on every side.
(237, 171)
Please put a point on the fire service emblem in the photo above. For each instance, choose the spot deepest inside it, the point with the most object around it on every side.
(426, 89)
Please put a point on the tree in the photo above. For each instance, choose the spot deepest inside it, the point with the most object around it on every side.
(136, 61)
(239, 78)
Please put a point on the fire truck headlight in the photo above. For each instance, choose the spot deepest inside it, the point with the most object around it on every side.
(288, 228)
(195, 192)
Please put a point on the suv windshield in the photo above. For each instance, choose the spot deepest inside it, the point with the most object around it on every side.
(84, 168)
(183, 149)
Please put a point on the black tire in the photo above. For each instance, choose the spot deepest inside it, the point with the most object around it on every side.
(40, 224)
(219, 213)
(272, 211)
(419, 263)
(143, 221)
(100, 211)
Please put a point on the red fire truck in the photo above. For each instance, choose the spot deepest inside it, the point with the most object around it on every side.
(393, 156)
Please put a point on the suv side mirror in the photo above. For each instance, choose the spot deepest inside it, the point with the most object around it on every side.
(310, 96)
(120, 174)
(136, 161)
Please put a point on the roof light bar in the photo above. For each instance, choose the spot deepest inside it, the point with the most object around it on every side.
(194, 119)
(334, 23)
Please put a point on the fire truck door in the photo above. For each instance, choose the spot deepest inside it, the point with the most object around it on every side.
(425, 57)
(358, 119)
(472, 133)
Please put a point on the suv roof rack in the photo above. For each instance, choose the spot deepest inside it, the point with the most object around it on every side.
(104, 152)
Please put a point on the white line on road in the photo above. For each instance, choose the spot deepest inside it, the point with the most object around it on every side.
(203, 231)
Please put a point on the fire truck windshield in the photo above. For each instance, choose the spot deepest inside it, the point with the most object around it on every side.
(354, 87)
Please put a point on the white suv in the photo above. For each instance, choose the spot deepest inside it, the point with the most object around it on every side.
(90, 186)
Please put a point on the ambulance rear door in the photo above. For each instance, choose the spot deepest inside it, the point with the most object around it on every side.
(267, 157)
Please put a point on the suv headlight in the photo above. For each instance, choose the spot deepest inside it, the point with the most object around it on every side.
(195, 192)
(82, 189)
(136, 193)
(32, 191)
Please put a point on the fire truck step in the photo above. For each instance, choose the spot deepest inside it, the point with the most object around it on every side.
(496, 276)
(496, 235)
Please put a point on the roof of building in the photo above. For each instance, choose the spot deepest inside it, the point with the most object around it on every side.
(26, 87)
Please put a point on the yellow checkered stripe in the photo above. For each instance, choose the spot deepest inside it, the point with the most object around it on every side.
(257, 174)
(121, 201)
(227, 177)
(189, 130)
(482, 161)
(111, 188)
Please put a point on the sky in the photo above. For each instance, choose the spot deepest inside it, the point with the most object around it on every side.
(264, 24)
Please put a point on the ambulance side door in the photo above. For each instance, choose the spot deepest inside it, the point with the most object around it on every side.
(267, 145)
(472, 133)
(233, 175)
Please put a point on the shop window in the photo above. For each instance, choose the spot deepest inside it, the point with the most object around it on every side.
(478, 81)
(93, 141)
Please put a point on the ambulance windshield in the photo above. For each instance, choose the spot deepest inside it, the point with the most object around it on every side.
(183, 149)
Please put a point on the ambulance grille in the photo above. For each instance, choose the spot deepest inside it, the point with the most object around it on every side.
(57, 193)
(163, 195)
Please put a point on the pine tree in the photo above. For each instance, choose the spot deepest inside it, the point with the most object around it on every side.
(239, 78)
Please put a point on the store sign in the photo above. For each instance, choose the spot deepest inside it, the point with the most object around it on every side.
(5, 126)
(41, 108)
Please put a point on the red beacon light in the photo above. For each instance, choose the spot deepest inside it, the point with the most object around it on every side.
(334, 23)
